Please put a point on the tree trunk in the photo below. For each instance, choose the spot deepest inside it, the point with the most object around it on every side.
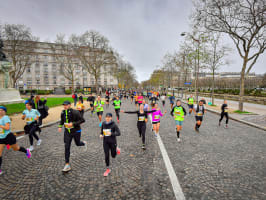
(96, 85)
(242, 87)
(213, 88)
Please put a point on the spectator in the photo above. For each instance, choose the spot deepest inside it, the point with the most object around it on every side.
(41, 108)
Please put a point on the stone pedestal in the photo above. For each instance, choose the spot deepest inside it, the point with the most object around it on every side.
(9, 96)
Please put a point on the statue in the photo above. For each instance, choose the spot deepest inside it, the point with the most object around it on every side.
(4, 68)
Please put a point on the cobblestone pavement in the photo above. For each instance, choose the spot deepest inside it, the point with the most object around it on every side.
(217, 163)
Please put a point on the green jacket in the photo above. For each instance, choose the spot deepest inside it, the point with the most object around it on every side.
(117, 104)
(178, 112)
(99, 105)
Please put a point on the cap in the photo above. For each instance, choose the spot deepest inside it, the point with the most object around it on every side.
(66, 103)
(3, 108)
(109, 115)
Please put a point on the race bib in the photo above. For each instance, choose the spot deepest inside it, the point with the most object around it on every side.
(2, 131)
(79, 107)
(107, 132)
(226, 110)
(29, 119)
(199, 114)
(157, 117)
(66, 126)
(177, 112)
(141, 118)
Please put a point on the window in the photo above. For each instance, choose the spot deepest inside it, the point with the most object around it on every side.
(54, 77)
(29, 81)
(54, 82)
(28, 69)
(38, 82)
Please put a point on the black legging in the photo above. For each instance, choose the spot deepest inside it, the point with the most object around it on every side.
(68, 139)
(226, 116)
(142, 130)
(117, 111)
(109, 146)
(31, 130)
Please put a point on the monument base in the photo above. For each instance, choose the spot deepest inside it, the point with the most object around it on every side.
(9, 96)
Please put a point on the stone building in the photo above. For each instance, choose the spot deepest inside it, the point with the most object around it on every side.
(44, 72)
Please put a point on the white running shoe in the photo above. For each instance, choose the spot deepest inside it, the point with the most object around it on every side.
(31, 148)
(67, 168)
(39, 142)
(178, 140)
(1, 172)
(85, 146)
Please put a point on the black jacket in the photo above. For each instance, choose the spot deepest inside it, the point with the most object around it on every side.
(72, 116)
(114, 131)
(41, 108)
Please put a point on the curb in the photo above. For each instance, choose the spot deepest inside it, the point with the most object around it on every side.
(235, 119)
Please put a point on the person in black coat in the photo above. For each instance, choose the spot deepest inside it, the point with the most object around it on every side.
(41, 108)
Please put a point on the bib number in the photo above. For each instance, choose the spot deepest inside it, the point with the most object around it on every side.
(2, 131)
(29, 119)
(156, 117)
(107, 132)
(199, 114)
(141, 119)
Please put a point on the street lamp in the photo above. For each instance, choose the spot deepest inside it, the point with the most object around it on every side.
(198, 65)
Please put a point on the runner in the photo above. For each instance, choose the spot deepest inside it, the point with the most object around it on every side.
(31, 115)
(42, 108)
(153, 99)
(91, 100)
(163, 99)
(172, 99)
(140, 99)
(156, 119)
(71, 120)
(199, 111)
(80, 107)
(178, 112)
(98, 104)
(190, 102)
(117, 104)
(107, 99)
(132, 97)
(109, 132)
(136, 100)
(8, 138)
(224, 112)
(142, 120)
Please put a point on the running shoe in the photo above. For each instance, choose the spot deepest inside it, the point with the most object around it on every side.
(118, 121)
(31, 148)
(178, 140)
(155, 134)
(118, 151)
(66, 168)
(1, 172)
(7, 146)
(39, 142)
(226, 126)
(85, 146)
(100, 125)
(28, 154)
(107, 172)
(143, 146)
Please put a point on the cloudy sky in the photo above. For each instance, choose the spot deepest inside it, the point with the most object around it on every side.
(142, 31)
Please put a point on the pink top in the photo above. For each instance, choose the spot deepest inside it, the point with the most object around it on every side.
(140, 99)
(156, 115)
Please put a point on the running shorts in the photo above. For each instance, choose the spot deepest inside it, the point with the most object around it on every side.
(190, 106)
(199, 118)
(178, 123)
(9, 139)
(155, 122)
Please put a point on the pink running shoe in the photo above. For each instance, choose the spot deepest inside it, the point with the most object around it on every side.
(28, 154)
(8, 147)
(107, 172)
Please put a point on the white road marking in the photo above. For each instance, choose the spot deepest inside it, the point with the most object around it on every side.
(179, 195)
(20, 137)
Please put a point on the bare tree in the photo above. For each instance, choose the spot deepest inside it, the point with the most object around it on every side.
(243, 21)
(66, 57)
(95, 54)
(20, 45)
(215, 59)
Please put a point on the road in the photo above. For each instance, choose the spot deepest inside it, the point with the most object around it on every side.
(216, 163)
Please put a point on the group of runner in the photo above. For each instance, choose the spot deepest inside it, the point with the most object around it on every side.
(71, 120)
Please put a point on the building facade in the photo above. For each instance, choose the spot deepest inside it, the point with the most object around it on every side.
(45, 72)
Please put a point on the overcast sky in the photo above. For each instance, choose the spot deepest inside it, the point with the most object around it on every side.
(140, 30)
